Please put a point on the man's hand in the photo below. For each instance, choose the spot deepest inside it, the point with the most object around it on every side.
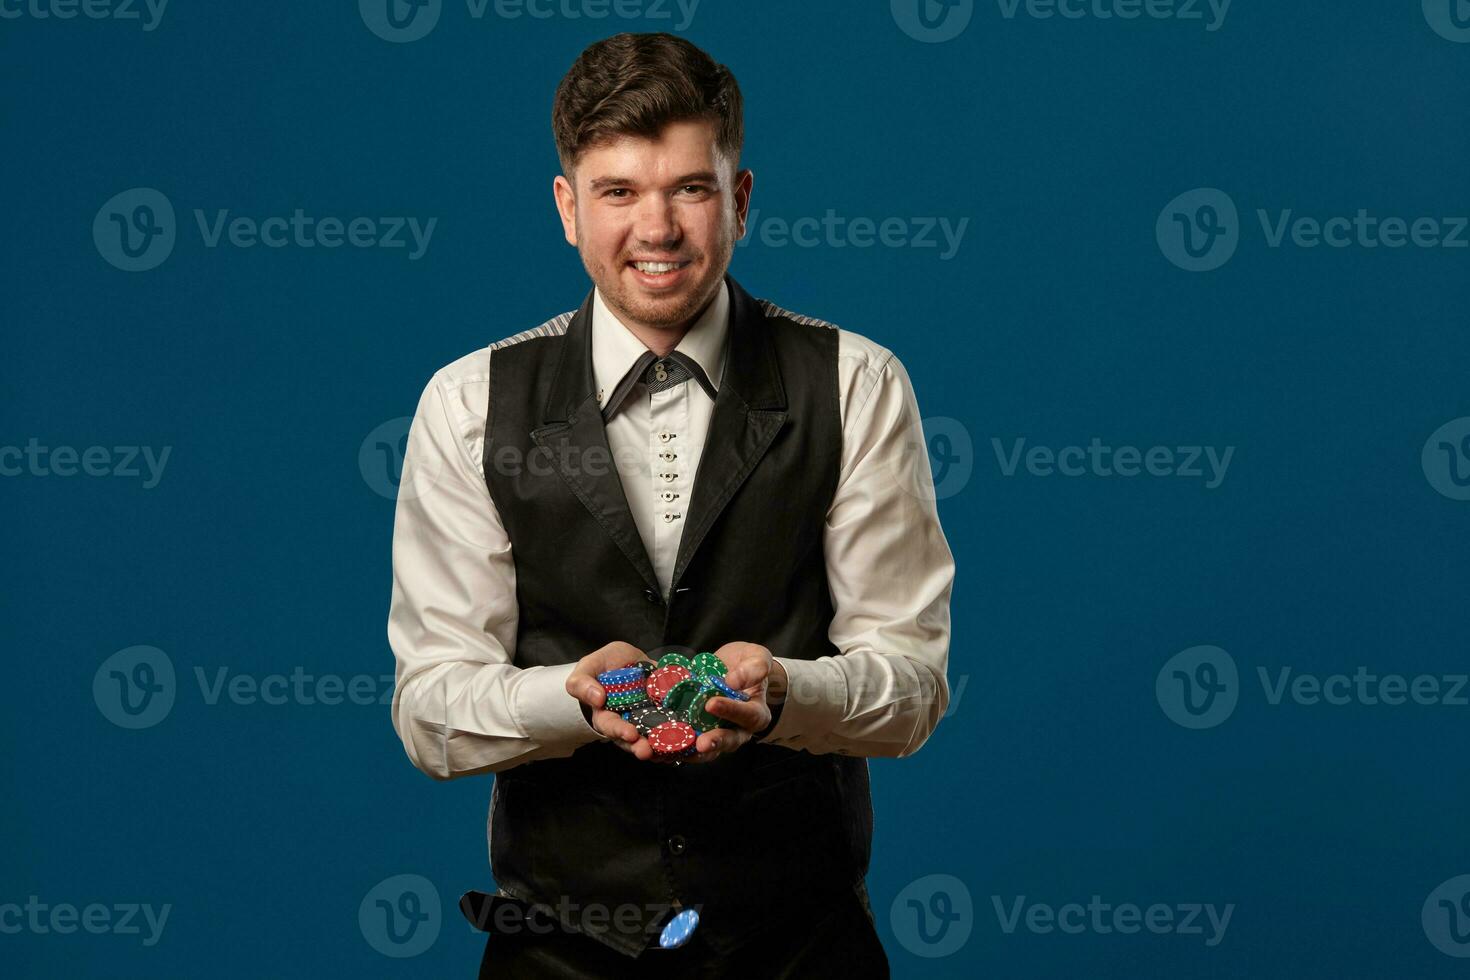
(750, 666)
(582, 685)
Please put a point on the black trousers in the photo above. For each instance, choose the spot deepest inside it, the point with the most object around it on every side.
(798, 943)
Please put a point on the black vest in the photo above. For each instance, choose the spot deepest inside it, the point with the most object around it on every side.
(610, 843)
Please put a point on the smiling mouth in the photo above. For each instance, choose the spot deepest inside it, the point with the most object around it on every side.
(658, 268)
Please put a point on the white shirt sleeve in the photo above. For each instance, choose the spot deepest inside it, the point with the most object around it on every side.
(460, 706)
(891, 573)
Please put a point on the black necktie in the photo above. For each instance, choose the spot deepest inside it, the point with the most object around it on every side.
(657, 374)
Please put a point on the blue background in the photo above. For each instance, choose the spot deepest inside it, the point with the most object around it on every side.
(265, 548)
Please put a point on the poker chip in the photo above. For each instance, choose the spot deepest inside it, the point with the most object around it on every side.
(622, 675)
(617, 702)
(663, 679)
(708, 664)
(647, 718)
(675, 658)
(679, 697)
(679, 929)
(698, 714)
(718, 683)
(671, 737)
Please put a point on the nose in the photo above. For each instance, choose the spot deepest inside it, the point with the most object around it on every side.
(656, 224)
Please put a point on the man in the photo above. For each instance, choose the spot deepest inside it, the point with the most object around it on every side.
(674, 465)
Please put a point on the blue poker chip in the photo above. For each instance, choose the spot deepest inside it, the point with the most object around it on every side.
(622, 675)
(679, 929)
(718, 683)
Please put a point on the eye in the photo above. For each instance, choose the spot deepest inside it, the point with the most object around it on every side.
(694, 189)
(617, 191)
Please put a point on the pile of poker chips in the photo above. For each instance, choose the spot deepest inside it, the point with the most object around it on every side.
(666, 701)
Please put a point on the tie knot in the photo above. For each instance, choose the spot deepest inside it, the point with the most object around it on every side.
(665, 373)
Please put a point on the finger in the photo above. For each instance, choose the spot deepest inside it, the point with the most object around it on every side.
(716, 742)
(750, 715)
(614, 727)
(586, 689)
(639, 749)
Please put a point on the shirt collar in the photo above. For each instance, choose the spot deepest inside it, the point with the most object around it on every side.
(615, 348)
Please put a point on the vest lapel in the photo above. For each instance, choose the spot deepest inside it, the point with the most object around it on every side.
(750, 410)
(573, 433)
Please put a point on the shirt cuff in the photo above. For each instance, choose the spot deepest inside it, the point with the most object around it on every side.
(816, 700)
(547, 713)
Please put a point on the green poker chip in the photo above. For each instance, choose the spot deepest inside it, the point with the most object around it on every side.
(676, 658)
(697, 714)
(707, 663)
(680, 696)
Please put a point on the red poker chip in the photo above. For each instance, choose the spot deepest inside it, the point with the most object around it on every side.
(661, 681)
(671, 737)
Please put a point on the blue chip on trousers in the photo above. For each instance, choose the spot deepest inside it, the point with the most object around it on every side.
(679, 929)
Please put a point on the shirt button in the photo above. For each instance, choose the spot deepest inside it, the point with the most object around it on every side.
(664, 437)
(668, 477)
(668, 495)
(677, 844)
(669, 518)
(659, 374)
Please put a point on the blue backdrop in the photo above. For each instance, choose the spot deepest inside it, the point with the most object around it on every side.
(1181, 287)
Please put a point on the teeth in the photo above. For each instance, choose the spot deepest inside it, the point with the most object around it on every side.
(655, 268)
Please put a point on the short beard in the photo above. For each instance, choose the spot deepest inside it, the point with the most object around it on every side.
(662, 315)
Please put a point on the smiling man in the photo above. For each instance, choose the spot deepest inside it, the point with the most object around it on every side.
(674, 465)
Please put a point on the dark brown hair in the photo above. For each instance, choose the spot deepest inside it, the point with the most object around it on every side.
(634, 85)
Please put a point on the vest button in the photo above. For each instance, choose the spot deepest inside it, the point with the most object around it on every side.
(677, 844)
(651, 596)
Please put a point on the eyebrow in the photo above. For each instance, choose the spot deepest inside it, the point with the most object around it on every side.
(698, 177)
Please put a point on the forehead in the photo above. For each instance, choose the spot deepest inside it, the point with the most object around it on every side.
(680, 148)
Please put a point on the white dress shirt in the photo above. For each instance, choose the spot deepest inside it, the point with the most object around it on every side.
(462, 707)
